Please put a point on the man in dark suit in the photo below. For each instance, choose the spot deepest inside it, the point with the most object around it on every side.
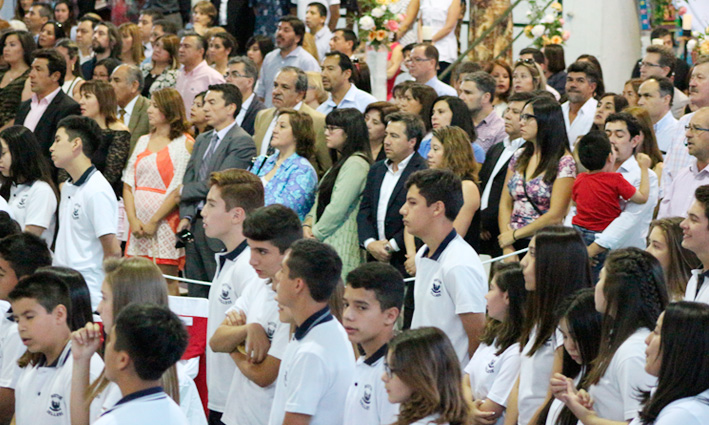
(494, 171)
(239, 21)
(243, 73)
(127, 82)
(380, 225)
(227, 146)
(48, 104)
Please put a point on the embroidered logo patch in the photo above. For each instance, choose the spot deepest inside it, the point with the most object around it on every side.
(490, 368)
(76, 214)
(436, 288)
(366, 400)
(55, 405)
(23, 202)
(225, 294)
(271, 329)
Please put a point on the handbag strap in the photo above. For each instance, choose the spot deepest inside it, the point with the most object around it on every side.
(524, 186)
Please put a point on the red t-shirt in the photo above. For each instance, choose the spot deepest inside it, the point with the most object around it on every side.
(596, 196)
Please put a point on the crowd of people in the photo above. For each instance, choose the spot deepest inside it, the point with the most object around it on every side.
(334, 239)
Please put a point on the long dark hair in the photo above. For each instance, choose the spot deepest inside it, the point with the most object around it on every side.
(28, 162)
(552, 141)
(561, 268)
(460, 115)
(26, 40)
(635, 293)
(426, 96)
(58, 33)
(71, 20)
(509, 278)
(352, 123)
(684, 369)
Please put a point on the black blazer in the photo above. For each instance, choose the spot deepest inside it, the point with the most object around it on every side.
(240, 21)
(489, 215)
(393, 224)
(62, 106)
(250, 118)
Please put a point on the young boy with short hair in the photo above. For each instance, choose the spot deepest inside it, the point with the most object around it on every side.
(374, 295)
(233, 195)
(41, 306)
(146, 340)
(251, 333)
(20, 256)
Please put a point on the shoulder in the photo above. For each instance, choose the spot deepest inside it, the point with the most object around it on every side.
(315, 115)
(268, 112)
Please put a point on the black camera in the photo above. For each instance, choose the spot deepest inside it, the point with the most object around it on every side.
(183, 238)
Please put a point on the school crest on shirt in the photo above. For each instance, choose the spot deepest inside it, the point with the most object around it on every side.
(55, 405)
(490, 368)
(366, 400)
(225, 294)
(23, 202)
(76, 213)
(437, 288)
(271, 329)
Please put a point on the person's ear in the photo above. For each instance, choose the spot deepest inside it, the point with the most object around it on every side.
(237, 215)
(61, 315)
(635, 141)
(390, 315)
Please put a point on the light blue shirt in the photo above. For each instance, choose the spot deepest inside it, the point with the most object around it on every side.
(441, 88)
(354, 98)
(665, 131)
(272, 64)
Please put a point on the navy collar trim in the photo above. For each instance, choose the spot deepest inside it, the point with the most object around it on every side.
(442, 247)
(318, 318)
(381, 352)
(139, 394)
(231, 256)
(85, 176)
(8, 315)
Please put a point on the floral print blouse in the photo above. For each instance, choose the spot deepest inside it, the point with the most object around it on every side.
(539, 191)
(293, 185)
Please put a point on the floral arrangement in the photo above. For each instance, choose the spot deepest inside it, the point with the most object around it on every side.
(378, 22)
(701, 44)
(548, 28)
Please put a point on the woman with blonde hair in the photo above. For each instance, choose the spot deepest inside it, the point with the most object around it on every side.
(132, 47)
(316, 94)
(154, 170)
(161, 72)
(127, 281)
(527, 76)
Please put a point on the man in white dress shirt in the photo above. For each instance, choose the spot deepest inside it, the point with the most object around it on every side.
(581, 83)
(315, 18)
(423, 64)
(337, 71)
(656, 95)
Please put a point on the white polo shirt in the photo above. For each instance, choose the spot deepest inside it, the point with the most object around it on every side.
(149, 407)
(43, 392)
(535, 373)
(493, 376)
(367, 399)
(315, 372)
(234, 274)
(259, 305)
(87, 211)
(615, 394)
(11, 348)
(696, 292)
(35, 205)
(583, 121)
(685, 411)
(451, 282)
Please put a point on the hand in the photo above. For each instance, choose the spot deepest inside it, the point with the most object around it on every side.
(150, 228)
(85, 342)
(481, 417)
(410, 264)
(512, 259)
(308, 232)
(136, 228)
(485, 235)
(257, 343)
(643, 160)
(579, 402)
(379, 251)
(558, 385)
(234, 318)
(184, 224)
(506, 239)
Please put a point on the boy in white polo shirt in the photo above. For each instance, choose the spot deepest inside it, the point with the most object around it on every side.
(20, 256)
(373, 297)
(88, 211)
(233, 194)
(450, 285)
(41, 306)
(146, 340)
(253, 321)
(318, 365)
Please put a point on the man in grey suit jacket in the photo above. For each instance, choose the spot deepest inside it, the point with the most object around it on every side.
(127, 82)
(227, 146)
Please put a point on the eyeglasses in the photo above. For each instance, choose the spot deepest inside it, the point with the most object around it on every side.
(410, 59)
(694, 129)
(527, 117)
(528, 61)
(234, 74)
(650, 64)
(390, 371)
(332, 128)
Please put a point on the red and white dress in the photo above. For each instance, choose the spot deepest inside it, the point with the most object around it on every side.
(153, 175)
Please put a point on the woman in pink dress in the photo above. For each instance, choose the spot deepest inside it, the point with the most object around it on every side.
(154, 170)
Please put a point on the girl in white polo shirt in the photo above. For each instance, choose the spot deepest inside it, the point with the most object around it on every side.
(422, 372)
(27, 183)
(631, 294)
(492, 371)
(555, 267)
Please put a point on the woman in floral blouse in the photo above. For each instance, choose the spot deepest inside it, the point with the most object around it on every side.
(540, 176)
(287, 176)
(161, 72)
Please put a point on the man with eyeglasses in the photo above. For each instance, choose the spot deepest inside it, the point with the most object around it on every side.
(423, 64)
(581, 83)
(243, 73)
(680, 193)
(659, 61)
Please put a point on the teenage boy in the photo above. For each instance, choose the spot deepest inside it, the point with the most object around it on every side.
(696, 239)
(20, 256)
(88, 211)
(450, 285)
(253, 321)
(373, 298)
(318, 365)
(233, 194)
(41, 306)
(145, 341)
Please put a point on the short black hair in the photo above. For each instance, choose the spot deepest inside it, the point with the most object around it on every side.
(349, 35)
(439, 185)
(153, 336)
(84, 128)
(413, 123)
(386, 282)
(25, 252)
(317, 264)
(89, 17)
(521, 97)
(230, 93)
(48, 291)
(153, 13)
(630, 121)
(322, 10)
(592, 72)
(297, 25)
(593, 150)
(465, 67)
(55, 62)
(701, 194)
(344, 61)
(8, 226)
(168, 27)
(666, 88)
(45, 10)
(537, 54)
(667, 56)
(276, 224)
(79, 294)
